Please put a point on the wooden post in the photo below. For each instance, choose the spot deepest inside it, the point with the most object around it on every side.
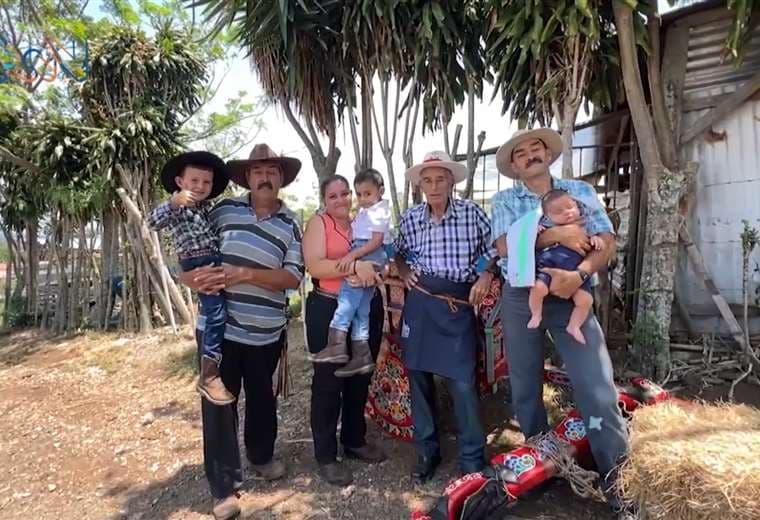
(164, 286)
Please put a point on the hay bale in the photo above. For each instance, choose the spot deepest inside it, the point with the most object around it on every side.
(694, 461)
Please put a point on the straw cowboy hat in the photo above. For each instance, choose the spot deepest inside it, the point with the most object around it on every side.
(263, 154)
(549, 137)
(440, 160)
(176, 165)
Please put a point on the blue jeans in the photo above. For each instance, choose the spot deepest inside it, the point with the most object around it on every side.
(353, 302)
(213, 307)
(470, 436)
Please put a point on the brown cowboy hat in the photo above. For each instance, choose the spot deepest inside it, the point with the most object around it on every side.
(176, 166)
(262, 154)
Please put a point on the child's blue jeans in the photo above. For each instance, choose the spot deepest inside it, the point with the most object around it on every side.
(354, 302)
(212, 306)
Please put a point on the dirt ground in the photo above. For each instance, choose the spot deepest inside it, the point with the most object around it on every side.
(101, 426)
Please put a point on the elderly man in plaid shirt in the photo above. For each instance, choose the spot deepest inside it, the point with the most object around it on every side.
(527, 157)
(437, 250)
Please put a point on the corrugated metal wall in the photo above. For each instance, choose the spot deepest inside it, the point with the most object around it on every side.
(728, 181)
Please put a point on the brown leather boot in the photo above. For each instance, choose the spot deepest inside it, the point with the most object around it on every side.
(335, 351)
(361, 360)
(210, 383)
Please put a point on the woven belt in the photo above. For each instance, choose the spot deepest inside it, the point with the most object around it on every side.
(452, 301)
(197, 253)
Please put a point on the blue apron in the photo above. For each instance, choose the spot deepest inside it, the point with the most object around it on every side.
(436, 339)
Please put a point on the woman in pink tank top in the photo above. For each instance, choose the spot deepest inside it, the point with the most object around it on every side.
(327, 239)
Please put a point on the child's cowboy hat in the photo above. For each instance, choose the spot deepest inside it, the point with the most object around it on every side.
(440, 160)
(262, 154)
(176, 166)
(549, 137)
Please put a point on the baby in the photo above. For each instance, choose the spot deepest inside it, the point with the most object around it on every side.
(193, 179)
(559, 209)
(370, 232)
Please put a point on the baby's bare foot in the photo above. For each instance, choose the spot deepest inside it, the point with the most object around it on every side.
(576, 333)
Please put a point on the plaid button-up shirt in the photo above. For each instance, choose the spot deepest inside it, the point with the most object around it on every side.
(189, 227)
(509, 205)
(449, 249)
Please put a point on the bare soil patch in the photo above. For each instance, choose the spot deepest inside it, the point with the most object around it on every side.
(106, 426)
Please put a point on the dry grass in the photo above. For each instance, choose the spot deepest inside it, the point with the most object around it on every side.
(695, 462)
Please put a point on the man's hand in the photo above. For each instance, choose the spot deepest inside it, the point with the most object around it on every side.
(572, 236)
(564, 283)
(206, 279)
(234, 275)
(407, 275)
(480, 288)
(183, 199)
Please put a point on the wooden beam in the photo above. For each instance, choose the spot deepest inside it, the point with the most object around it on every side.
(700, 103)
(725, 107)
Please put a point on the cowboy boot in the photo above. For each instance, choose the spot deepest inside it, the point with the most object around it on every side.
(361, 360)
(210, 384)
(335, 351)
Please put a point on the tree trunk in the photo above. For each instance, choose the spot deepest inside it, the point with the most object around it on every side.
(107, 267)
(366, 124)
(8, 281)
(567, 126)
(663, 191)
(32, 265)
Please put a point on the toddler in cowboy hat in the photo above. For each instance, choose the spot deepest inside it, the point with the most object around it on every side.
(193, 179)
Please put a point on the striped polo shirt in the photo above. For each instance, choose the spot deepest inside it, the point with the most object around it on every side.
(255, 316)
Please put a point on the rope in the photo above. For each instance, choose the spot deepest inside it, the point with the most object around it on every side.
(560, 453)
(450, 300)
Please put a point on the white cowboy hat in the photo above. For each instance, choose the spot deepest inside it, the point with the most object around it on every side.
(440, 160)
(549, 137)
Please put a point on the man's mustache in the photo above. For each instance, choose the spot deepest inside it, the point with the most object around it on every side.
(265, 184)
(533, 161)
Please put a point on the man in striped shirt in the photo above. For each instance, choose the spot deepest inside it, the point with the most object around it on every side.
(260, 245)
(437, 250)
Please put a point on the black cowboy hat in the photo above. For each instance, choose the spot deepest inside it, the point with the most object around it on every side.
(263, 154)
(177, 164)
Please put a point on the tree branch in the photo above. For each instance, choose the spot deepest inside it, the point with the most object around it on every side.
(18, 161)
(297, 126)
(659, 110)
(634, 89)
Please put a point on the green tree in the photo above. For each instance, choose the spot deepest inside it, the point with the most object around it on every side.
(549, 57)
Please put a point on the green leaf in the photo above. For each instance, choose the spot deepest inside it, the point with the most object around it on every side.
(583, 7)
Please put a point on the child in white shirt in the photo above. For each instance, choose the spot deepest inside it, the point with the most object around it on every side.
(370, 231)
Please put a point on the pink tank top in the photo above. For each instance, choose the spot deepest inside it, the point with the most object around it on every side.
(337, 245)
